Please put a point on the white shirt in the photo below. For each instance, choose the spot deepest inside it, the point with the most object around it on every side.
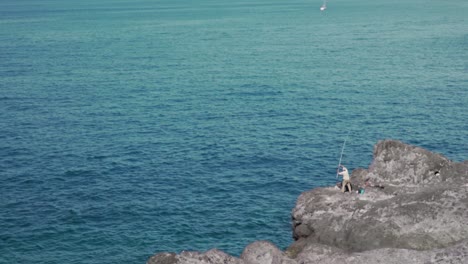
(345, 174)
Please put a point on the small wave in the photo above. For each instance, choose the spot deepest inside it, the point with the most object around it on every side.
(78, 172)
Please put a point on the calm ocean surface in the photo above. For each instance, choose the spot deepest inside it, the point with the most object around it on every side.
(134, 127)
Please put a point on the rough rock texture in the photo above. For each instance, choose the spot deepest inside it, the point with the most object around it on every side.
(264, 252)
(257, 252)
(211, 256)
(401, 164)
(318, 253)
(414, 210)
(420, 216)
(424, 204)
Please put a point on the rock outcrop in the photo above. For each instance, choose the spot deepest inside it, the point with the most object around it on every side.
(414, 209)
(209, 257)
(257, 252)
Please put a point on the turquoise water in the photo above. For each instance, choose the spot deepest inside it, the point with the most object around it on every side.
(134, 127)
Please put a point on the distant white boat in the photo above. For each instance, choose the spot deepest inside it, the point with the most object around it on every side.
(324, 6)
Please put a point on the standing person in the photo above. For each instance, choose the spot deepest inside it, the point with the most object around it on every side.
(346, 179)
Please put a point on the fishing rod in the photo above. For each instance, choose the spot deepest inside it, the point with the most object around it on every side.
(342, 150)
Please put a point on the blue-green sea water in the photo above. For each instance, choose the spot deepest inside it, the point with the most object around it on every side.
(129, 128)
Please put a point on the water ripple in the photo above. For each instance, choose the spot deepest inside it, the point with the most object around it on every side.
(194, 127)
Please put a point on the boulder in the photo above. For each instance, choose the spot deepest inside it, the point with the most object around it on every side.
(163, 258)
(213, 256)
(266, 253)
(398, 163)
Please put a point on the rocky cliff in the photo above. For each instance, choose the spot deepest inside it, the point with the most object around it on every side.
(414, 209)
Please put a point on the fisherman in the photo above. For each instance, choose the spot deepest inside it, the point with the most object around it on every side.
(346, 180)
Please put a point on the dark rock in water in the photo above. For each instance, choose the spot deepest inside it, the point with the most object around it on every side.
(414, 209)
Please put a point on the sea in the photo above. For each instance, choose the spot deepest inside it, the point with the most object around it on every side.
(133, 127)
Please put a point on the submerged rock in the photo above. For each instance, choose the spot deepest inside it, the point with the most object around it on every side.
(414, 209)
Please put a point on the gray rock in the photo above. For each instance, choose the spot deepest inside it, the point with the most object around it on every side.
(414, 210)
(426, 219)
(424, 204)
(163, 258)
(400, 164)
(266, 253)
(213, 256)
(318, 253)
(210, 257)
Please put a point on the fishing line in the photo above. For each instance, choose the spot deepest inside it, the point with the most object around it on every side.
(342, 150)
